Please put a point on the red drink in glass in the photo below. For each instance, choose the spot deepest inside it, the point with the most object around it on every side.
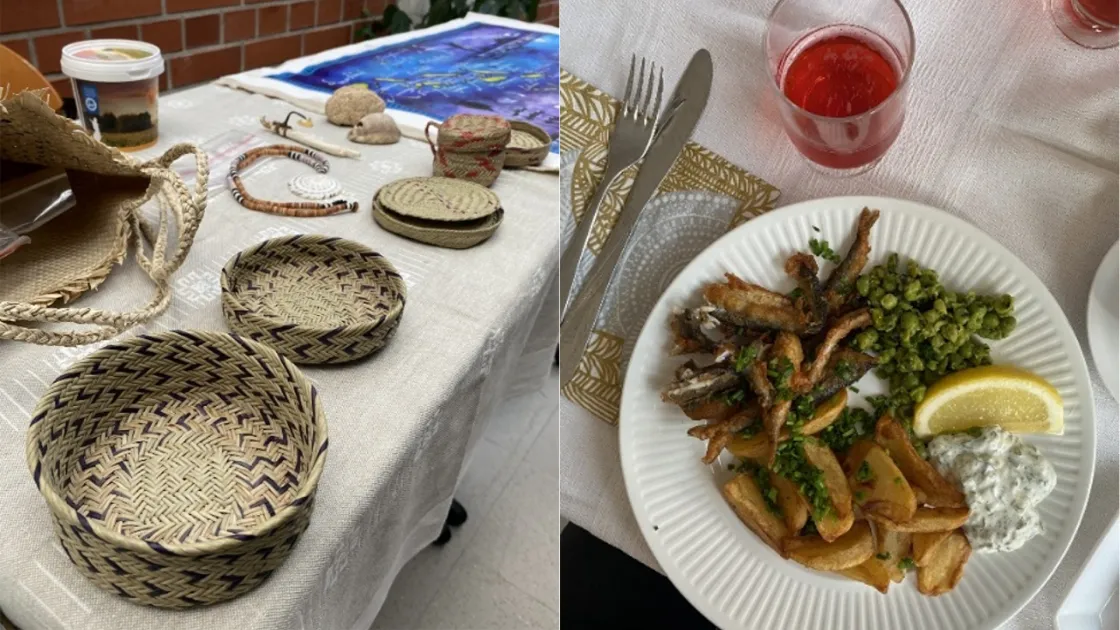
(841, 85)
(1088, 23)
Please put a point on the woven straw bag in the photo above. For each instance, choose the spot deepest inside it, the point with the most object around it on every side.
(75, 252)
(314, 299)
(179, 467)
(470, 147)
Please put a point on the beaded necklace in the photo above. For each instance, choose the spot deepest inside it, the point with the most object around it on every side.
(285, 208)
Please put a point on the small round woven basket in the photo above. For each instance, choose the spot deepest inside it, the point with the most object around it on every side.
(528, 145)
(470, 147)
(179, 467)
(463, 235)
(313, 298)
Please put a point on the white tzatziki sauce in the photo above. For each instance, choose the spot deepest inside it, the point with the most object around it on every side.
(1003, 479)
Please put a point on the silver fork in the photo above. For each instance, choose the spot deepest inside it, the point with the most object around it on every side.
(633, 134)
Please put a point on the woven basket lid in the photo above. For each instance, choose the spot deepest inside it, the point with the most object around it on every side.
(452, 235)
(528, 144)
(473, 132)
(438, 199)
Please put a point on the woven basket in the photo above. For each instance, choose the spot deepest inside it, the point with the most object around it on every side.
(179, 467)
(470, 147)
(528, 145)
(314, 299)
(464, 234)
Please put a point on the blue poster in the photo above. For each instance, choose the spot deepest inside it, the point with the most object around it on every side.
(476, 69)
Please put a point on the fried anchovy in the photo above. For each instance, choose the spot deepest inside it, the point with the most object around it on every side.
(788, 347)
(843, 280)
(803, 268)
(760, 385)
(700, 383)
(720, 433)
(754, 308)
(688, 332)
(855, 364)
(714, 408)
(840, 329)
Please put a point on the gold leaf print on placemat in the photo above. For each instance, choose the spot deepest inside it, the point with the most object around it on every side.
(597, 384)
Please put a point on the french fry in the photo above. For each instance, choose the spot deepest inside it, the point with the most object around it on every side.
(825, 413)
(891, 547)
(946, 565)
(746, 499)
(871, 572)
(839, 494)
(925, 544)
(755, 448)
(878, 486)
(795, 511)
(939, 492)
(847, 551)
(926, 520)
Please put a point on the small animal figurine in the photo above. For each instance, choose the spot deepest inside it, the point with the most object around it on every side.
(349, 104)
(377, 128)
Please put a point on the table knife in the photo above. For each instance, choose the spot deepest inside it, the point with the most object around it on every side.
(689, 99)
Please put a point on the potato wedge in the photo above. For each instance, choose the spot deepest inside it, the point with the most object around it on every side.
(746, 499)
(755, 448)
(926, 520)
(890, 548)
(939, 491)
(826, 413)
(856, 454)
(871, 572)
(919, 495)
(795, 511)
(851, 549)
(878, 486)
(946, 565)
(839, 494)
(924, 545)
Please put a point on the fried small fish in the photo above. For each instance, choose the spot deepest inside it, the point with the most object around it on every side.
(846, 366)
(787, 347)
(754, 308)
(701, 383)
(803, 268)
(712, 408)
(688, 332)
(841, 328)
(842, 283)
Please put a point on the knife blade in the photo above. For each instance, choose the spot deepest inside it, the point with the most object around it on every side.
(690, 97)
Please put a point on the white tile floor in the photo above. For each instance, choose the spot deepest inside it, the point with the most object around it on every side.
(501, 568)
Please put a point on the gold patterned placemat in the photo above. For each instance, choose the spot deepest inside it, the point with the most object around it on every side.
(735, 196)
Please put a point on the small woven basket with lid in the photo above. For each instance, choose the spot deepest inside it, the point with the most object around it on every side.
(179, 467)
(444, 212)
(470, 147)
(528, 145)
(313, 298)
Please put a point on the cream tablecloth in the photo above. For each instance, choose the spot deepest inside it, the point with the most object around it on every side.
(1009, 126)
(402, 424)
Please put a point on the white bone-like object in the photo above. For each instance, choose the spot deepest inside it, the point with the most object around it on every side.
(286, 131)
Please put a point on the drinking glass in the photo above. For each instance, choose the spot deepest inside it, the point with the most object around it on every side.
(1088, 23)
(839, 72)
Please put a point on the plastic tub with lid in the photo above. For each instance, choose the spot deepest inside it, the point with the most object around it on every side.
(116, 86)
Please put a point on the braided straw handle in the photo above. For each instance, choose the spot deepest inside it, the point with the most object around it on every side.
(428, 135)
(177, 203)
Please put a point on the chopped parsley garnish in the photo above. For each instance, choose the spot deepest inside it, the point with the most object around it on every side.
(822, 249)
(854, 389)
(800, 412)
(886, 555)
(792, 464)
(845, 370)
(745, 357)
(906, 563)
(864, 474)
(975, 431)
(796, 293)
(769, 492)
(852, 425)
(860, 495)
(898, 481)
(816, 229)
(735, 397)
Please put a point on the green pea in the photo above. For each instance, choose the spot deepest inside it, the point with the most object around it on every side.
(1007, 325)
(890, 283)
(978, 307)
(949, 298)
(892, 263)
(966, 350)
(863, 285)
(910, 381)
(889, 322)
(876, 295)
(886, 355)
(866, 339)
(888, 301)
(913, 291)
(931, 316)
(912, 269)
(918, 393)
(969, 297)
(991, 322)
(1003, 305)
(951, 333)
(929, 277)
(913, 363)
(940, 306)
(935, 341)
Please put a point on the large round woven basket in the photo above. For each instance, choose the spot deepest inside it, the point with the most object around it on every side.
(313, 298)
(528, 145)
(179, 467)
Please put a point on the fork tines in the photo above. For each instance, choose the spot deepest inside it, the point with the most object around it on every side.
(630, 107)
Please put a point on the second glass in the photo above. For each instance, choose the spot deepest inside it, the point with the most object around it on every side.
(839, 74)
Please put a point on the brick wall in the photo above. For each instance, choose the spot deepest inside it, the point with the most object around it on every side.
(201, 40)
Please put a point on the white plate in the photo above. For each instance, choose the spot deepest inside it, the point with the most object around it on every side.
(1091, 603)
(1102, 319)
(719, 565)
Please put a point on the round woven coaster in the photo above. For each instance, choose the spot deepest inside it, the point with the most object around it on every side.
(314, 299)
(438, 199)
(449, 234)
(528, 145)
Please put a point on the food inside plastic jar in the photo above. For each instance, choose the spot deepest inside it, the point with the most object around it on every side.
(116, 86)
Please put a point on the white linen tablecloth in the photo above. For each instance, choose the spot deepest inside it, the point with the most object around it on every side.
(1009, 125)
(402, 423)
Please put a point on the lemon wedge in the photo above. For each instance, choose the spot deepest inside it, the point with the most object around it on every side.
(1008, 397)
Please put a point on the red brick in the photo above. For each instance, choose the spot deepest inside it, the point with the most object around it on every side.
(21, 47)
(203, 30)
(64, 88)
(272, 20)
(130, 31)
(48, 49)
(257, 1)
(548, 11)
(175, 6)
(165, 81)
(302, 16)
(326, 39)
(205, 66)
(241, 25)
(329, 11)
(27, 15)
(271, 52)
(87, 12)
(352, 9)
(168, 35)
